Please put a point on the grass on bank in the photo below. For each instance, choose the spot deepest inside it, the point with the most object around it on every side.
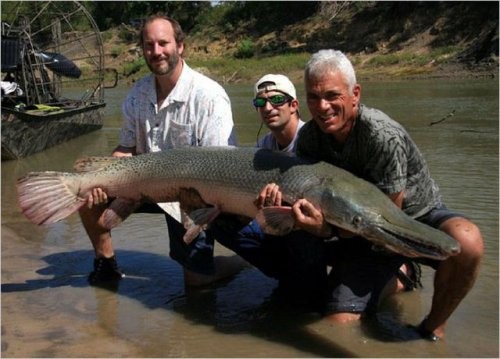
(437, 55)
(229, 69)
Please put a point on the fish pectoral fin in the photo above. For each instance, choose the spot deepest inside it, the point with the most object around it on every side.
(89, 164)
(117, 212)
(277, 221)
(197, 221)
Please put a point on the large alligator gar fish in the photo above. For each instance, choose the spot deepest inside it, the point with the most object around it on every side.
(210, 180)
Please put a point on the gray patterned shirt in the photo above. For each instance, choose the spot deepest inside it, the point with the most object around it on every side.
(197, 112)
(380, 151)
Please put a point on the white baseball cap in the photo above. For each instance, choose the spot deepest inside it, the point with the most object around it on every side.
(275, 82)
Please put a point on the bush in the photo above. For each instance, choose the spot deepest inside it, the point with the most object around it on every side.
(134, 66)
(117, 50)
(246, 49)
(127, 35)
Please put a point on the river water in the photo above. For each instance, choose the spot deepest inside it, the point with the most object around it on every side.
(49, 310)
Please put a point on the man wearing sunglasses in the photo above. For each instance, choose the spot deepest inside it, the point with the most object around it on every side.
(277, 105)
(294, 260)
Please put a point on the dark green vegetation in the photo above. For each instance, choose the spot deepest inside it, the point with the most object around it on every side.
(232, 40)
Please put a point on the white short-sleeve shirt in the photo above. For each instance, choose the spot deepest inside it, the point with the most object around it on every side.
(197, 112)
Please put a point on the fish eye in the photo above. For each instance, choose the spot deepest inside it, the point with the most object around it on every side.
(357, 220)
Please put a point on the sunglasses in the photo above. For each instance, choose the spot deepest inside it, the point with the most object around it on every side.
(276, 100)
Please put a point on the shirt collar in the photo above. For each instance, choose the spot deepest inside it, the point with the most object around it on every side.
(180, 92)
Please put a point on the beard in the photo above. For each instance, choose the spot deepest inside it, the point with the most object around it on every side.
(164, 67)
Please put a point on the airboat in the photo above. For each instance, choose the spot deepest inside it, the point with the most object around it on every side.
(52, 65)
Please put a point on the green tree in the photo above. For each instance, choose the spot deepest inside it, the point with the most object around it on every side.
(112, 13)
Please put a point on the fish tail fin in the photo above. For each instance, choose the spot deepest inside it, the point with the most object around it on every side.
(46, 197)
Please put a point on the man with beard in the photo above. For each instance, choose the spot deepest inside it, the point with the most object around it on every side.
(174, 106)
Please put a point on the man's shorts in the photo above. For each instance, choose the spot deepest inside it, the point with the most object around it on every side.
(359, 273)
(435, 218)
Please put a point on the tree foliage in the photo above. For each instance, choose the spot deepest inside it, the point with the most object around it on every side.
(265, 16)
(108, 14)
(355, 26)
(195, 15)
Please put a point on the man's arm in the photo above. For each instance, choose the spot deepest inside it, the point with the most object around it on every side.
(121, 151)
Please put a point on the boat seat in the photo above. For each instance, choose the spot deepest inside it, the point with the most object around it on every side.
(11, 53)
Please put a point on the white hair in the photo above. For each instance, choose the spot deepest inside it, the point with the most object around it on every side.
(331, 61)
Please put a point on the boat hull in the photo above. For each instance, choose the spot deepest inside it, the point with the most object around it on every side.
(24, 133)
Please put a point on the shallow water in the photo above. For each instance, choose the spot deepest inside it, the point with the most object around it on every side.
(49, 310)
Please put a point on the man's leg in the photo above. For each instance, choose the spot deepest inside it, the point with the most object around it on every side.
(197, 258)
(296, 260)
(105, 265)
(456, 275)
(304, 276)
(359, 278)
(248, 241)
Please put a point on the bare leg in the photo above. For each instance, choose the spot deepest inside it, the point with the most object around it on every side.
(106, 271)
(456, 275)
(99, 236)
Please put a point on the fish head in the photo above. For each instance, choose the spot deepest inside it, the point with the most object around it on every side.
(363, 209)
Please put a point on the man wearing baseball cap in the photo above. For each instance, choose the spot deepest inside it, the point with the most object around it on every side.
(294, 260)
(275, 99)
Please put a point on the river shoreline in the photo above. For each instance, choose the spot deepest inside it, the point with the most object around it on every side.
(234, 71)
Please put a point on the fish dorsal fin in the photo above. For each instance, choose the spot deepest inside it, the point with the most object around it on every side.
(89, 164)
(277, 221)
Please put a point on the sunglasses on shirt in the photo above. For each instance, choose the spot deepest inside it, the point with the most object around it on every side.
(276, 100)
